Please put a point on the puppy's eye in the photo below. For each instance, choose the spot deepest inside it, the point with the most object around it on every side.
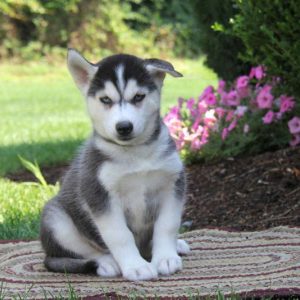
(105, 100)
(138, 98)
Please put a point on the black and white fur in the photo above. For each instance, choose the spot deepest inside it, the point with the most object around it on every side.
(119, 208)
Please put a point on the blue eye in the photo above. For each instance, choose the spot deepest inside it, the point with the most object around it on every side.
(138, 98)
(106, 100)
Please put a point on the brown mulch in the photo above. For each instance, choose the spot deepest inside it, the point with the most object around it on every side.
(251, 193)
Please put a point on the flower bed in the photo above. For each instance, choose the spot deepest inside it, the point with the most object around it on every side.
(243, 118)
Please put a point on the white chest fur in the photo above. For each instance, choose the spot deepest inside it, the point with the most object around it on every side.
(136, 182)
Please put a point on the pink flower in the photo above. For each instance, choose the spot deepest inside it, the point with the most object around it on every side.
(221, 86)
(202, 107)
(180, 143)
(268, 118)
(295, 141)
(196, 144)
(209, 118)
(294, 125)
(232, 125)
(225, 133)
(286, 103)
(224, 97)
(220, 112)
(265, 98)
(241, 110)
(173, 124)
(257, 72)
(205, 136)
(233, 98)
(196, 123)
(190, 103)
(207, 90)
(190, 106)
(210, 99)
(278, 115)
(230, 115)
(174, 112)
(246, 128)
(244, 92)
(242, 82)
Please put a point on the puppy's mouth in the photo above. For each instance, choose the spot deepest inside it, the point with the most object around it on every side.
(125, 138)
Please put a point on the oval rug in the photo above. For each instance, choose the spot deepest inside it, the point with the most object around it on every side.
(244, 263)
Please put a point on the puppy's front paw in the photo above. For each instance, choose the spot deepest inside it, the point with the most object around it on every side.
(182, 247)
(168, 265)
(142, 271)
(107, 266)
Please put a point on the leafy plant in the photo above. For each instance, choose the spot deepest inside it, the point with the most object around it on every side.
(40, 28)
(270, 33)
(213, 18)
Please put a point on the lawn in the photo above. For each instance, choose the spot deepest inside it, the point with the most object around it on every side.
(43, 118)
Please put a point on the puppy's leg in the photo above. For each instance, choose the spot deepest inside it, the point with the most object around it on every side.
(120, 241)
(61, 239)
(58, 232)
(164, 252)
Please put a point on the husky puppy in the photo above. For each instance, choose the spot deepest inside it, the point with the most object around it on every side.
(120, 204)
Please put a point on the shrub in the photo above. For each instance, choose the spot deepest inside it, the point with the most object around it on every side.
(213, 18)
(245, 117)
(270, 32)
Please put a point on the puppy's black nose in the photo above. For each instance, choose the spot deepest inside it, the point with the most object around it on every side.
(124, 128)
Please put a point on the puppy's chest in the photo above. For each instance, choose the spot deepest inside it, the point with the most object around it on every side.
(137, 188)
(139, 195)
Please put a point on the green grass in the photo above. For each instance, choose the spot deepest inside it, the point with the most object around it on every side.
(20, 207)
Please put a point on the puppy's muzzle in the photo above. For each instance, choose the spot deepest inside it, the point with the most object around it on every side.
(124, 130)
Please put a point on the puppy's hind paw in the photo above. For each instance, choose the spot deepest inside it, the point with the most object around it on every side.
(107, 266)
(182, 247)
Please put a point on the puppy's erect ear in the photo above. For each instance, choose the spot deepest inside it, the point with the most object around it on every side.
(81, 70)
(158, 69)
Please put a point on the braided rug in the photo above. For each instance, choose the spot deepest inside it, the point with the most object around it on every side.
(244, 263)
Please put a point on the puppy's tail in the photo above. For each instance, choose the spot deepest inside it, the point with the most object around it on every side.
(70, 265)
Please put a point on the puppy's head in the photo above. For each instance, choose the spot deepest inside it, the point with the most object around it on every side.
(122, 94)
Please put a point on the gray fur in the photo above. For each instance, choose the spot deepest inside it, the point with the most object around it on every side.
(79, 186)
(180, 186)
(162, 66)
(70, 265)
(170, 148)
(157, 130)
(52, 247)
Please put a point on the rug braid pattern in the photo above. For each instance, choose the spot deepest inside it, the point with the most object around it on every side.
(247, 263)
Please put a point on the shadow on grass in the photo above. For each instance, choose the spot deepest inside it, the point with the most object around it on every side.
(46, 154)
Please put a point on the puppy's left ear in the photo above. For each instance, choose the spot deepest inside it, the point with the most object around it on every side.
(81, 70)
(158, 68)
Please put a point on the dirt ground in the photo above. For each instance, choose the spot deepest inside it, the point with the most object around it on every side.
(251, 193)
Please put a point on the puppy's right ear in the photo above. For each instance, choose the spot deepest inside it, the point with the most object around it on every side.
(81, 70)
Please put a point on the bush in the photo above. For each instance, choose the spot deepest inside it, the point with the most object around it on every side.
(270, 31)
(141, 27)
(213, 18)
(243, 118)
